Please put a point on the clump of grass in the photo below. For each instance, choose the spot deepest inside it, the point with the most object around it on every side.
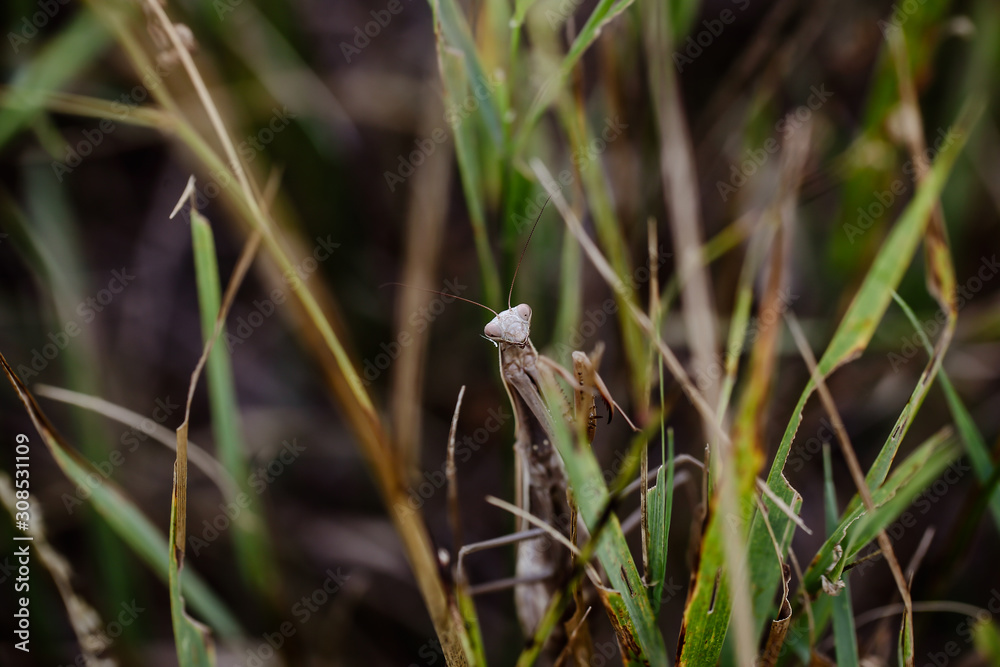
(756, 595)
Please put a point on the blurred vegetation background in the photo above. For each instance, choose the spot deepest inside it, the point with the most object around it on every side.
(403, 142)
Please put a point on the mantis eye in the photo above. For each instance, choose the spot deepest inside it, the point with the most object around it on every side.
(524, 310)
(492, 329)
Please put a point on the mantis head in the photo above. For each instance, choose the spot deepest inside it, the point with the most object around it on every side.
(512, 326)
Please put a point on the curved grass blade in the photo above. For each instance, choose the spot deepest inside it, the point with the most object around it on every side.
(838, 557)
(975, 444)
(851, 338)
(453, 33)
(121, 514)
(198, 456)
(605, 12)
(857, 528)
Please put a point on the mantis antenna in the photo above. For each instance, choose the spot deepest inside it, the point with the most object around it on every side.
(434, 291)
(510, 294)
(524, 249)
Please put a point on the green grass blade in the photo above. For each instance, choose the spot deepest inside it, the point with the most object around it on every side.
(470, 157)
(975, 444)
(52, 247)
(905, 484)
(95, 107)
(972, 439)
(620, 618)
(122, 515)
(453, 34)
(586, 479)
(905, 646)
(914, 475)
(880, 468)
(760, 244)
(845, 639)
(74, 49)
(720, 588)
(604, 12)
(857, 528)
(851, 338)
(570, 307)
(661, 501)
(986, 639)
(472, 641)
(682, 15)
(253, 552)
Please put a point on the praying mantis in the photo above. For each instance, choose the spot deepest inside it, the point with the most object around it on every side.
(541, 486)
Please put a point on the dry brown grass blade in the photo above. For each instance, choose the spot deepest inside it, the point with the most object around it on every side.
(580, 645)
(740, 462)
(239, 273)
(549, 530)
(454, 515)
(425, 220)
(314, 314)
(778, 630)
(806, 602)
(681, 196)
(191, 636)
(85, 621)
(614, 282)
(779, 626)
(180, 48)
(940, 270)
(856, 474)
(180, 486)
